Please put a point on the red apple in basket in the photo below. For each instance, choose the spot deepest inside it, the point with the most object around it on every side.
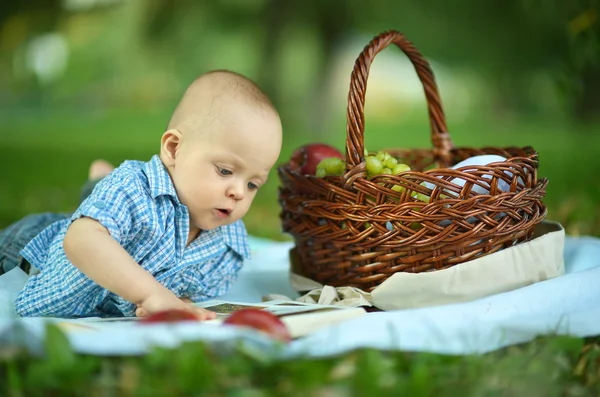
(170, 316)
(260, 320)
(307, 157)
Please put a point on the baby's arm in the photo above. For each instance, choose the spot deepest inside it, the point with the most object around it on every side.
(90, 247)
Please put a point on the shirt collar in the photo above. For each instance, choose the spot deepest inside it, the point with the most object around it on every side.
(159, 179)
(234, 236)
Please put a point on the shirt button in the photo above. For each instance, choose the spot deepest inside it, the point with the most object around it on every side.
(193, 289)
(100, 205)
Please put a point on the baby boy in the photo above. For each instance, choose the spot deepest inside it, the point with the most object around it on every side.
(161, 234)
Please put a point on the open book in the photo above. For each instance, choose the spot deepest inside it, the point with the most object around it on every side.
(300, 318)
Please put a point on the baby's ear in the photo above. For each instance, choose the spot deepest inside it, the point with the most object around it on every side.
(169, 144)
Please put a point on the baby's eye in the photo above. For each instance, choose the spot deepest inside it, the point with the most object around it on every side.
(224, 171)
(252, 186)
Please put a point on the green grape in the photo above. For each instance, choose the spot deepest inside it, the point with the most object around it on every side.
(386, 171)
(383, 156)
(391, 163)
(399, 168)
(330, 166)
(321, 169)
(420, 196)
(416, 226)
(374, 165)
(336, 166)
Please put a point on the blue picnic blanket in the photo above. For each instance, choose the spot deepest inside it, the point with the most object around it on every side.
(566, 305)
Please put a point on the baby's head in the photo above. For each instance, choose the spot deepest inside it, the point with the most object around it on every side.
(222, 140)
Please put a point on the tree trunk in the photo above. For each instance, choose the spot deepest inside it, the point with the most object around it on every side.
(276, 14)
(333, 23)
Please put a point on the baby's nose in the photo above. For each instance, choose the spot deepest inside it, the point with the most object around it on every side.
(236, 191)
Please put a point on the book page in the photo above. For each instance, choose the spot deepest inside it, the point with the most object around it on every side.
(300, 318)
(277, 307)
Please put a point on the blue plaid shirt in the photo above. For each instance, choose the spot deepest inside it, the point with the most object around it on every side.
(138, 205)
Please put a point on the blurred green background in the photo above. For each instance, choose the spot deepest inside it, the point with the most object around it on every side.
(87, 79)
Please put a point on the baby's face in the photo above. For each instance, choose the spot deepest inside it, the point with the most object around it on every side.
(217, 174)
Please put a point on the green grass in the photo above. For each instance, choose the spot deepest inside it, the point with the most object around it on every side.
(44, 161)
(546, 367)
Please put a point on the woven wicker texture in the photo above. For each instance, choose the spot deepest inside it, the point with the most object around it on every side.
(352, 230)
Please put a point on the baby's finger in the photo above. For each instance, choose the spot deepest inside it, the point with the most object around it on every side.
(140, 312)
(204, 314)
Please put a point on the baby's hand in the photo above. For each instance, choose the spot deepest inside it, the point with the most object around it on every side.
(166, 300)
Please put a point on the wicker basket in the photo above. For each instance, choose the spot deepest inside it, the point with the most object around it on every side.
(352, 230)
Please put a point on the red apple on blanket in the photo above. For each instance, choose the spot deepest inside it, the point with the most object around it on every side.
(170, 316)
(260, 320)
(307, 157)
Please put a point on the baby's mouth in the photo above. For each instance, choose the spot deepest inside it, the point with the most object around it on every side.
(224, 211)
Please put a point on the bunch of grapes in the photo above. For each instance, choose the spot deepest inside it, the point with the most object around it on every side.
(384, 163)
(381, 163)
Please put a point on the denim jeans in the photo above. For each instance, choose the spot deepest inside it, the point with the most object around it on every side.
(16, 236)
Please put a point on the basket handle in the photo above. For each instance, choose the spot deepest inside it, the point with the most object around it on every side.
(355, 127)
